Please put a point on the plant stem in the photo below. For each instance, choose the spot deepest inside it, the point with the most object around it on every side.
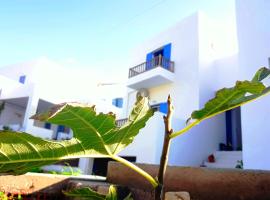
(137, 169)
(159, 191)
(185, 129)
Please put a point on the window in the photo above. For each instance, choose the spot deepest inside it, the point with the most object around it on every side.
(22, 79)
(158, 53)
(61, 129)
(118, 102)
(269, 62)
(164, 52)
(161, 107)
(47, 125)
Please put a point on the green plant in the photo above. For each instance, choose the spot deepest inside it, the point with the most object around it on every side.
(4, 196)
(239, 164)
(7, 128)
(88, 193)
(36, 170)
(96, 135)
(68, 171)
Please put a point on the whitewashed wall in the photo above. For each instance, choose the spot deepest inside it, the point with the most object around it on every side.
(12, 114)
(253, 24)
(194, 146)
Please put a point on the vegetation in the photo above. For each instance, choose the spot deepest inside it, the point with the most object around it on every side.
(68, 171)
(4, 196)
(96, 135)
(88, 193)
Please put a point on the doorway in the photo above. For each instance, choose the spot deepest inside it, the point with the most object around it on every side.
(234, 129)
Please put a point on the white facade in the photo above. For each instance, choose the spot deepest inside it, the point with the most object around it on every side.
(206, 57)
(192, 83)
(253, 28)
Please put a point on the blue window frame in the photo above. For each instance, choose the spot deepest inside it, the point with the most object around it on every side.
(118, 102)
(22, 79)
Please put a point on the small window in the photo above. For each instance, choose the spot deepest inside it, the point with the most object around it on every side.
(269, 62)
(22, 79)
(47, 125)
(61, 129)
(161, 107)
(118, 102)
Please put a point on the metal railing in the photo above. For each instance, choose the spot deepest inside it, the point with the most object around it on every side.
(121, 122)
(158, 61)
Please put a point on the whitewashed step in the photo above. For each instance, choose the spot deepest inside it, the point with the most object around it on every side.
(225, 159)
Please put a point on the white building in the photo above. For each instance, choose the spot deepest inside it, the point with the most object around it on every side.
(35, 86)
(191, 61)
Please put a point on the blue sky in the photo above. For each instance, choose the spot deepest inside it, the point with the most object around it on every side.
(94, 34)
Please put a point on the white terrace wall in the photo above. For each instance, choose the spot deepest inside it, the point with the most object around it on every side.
(11, 115)
(253, 26)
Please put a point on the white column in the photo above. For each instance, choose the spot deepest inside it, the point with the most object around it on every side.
(31, 109)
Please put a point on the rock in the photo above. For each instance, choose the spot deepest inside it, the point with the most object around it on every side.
(177, 196)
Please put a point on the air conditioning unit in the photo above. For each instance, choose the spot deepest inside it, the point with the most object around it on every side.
(142, 92)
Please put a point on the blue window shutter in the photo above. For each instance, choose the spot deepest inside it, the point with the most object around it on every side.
(22, 79)
(167, 51)
(114, 102)
(149, 58)
(118, 102)
(167, 55)
(163, 107)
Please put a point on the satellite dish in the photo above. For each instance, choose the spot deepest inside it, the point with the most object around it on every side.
(142, 92)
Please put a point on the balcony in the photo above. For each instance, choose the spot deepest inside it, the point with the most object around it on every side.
(153, 73)
(121, 122)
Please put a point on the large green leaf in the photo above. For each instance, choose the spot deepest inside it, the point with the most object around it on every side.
(229, 98)
(95, 135)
